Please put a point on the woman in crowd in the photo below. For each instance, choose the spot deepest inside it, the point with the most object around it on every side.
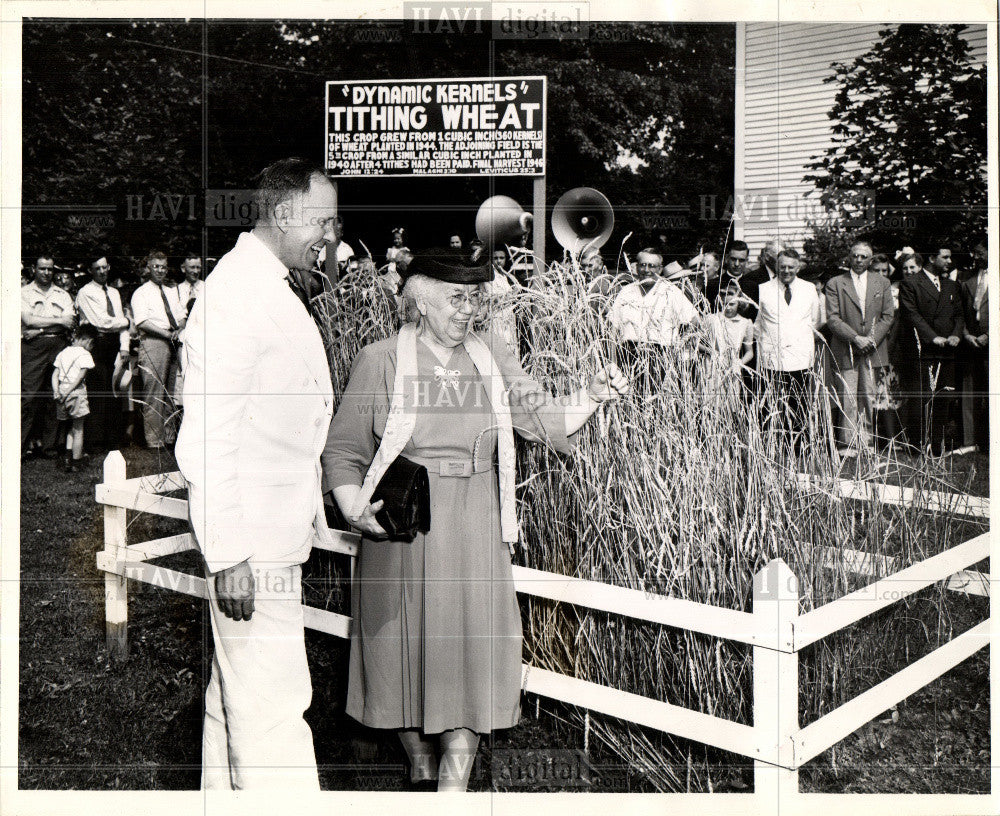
(436, 642)
(886, 399)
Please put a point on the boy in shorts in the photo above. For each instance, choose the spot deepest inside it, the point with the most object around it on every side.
(69, 387)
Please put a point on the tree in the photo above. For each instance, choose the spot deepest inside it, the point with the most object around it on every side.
(644, 113)
(110, 111)
(908, 159)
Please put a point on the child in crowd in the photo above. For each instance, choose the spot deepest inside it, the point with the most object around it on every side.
(731, 334)
(69, 387)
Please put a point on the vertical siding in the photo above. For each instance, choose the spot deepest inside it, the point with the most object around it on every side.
(782, 107)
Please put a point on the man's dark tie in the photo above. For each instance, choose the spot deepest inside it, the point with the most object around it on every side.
(788, 293)
(300, 293)
(166, 308)
(107, 298)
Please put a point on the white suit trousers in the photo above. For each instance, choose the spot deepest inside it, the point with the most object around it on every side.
(255, 735)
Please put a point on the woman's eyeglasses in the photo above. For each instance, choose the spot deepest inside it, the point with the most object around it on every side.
(474, 299)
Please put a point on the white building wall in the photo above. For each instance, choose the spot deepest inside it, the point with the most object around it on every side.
(781, 118)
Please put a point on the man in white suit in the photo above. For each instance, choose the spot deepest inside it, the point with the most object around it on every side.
(784, 330)
(258, 402)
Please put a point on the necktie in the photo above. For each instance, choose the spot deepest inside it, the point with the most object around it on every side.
(166, 308)
(788, 294)
(107, 298)
(300, 293)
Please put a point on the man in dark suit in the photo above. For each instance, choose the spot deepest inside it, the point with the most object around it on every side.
(931, 327)
(859, 315)
(734, 267)
(975, 353)
(764, 271)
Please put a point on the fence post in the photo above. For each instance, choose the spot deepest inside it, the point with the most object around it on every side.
(775, 687)
(115, 583)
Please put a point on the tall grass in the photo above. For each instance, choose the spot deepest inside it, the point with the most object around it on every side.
(686, 487)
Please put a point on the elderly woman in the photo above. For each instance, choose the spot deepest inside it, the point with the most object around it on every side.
(436, 640)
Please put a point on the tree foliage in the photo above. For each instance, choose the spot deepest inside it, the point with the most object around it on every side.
(175, 109)
(908, 154)
(109, 111)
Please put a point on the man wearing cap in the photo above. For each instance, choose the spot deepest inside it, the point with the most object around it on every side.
(100, 305)
(47, 314)
(160, 317)
(257, 407)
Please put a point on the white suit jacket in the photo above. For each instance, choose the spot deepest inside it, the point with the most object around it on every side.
(784, 331)
(257, 406)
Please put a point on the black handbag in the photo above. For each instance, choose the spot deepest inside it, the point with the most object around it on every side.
(405, 490)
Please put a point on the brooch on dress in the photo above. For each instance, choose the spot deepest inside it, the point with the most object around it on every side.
(448, 376)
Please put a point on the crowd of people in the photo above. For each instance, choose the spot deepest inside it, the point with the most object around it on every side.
(900, 343)
(436, 632)
(101, 364)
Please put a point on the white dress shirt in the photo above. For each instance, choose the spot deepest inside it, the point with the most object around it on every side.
(186, 291)
(147, 305)
(784, 331)
(653, 317)
(92, 305)
(861, 287)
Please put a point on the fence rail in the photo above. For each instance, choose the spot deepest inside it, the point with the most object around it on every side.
(775, 628)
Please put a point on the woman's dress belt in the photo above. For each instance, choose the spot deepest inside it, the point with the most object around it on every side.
(457, 468)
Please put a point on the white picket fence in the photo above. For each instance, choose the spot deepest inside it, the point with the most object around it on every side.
(774, 629)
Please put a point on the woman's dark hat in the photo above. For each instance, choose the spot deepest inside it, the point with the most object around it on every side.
(452, 265)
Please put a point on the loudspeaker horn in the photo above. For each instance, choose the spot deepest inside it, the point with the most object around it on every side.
(501, 220)
(582, 218)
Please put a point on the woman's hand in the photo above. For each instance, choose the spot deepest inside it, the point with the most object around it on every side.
(608, 384)
(345, 495)
(366, 522)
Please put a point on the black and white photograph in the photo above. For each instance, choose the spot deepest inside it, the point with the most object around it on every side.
(491, 406)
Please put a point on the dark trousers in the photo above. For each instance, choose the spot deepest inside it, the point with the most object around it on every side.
(975, 381)
(104, 424)
(784, 403)
(928, 385)
(38, 408)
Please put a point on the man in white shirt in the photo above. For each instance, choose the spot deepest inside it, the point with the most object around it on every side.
(257, 407)
(648, 315)
(787, 319)
(160, 317)
(651, 309)
(100, 305)
(192, 285)
(47, 314)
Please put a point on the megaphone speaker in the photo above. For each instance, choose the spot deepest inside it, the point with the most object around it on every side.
(582, 218)
(501, 220)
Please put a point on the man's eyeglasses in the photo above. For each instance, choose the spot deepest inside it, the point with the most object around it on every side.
(458, 300)
(647, 265)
